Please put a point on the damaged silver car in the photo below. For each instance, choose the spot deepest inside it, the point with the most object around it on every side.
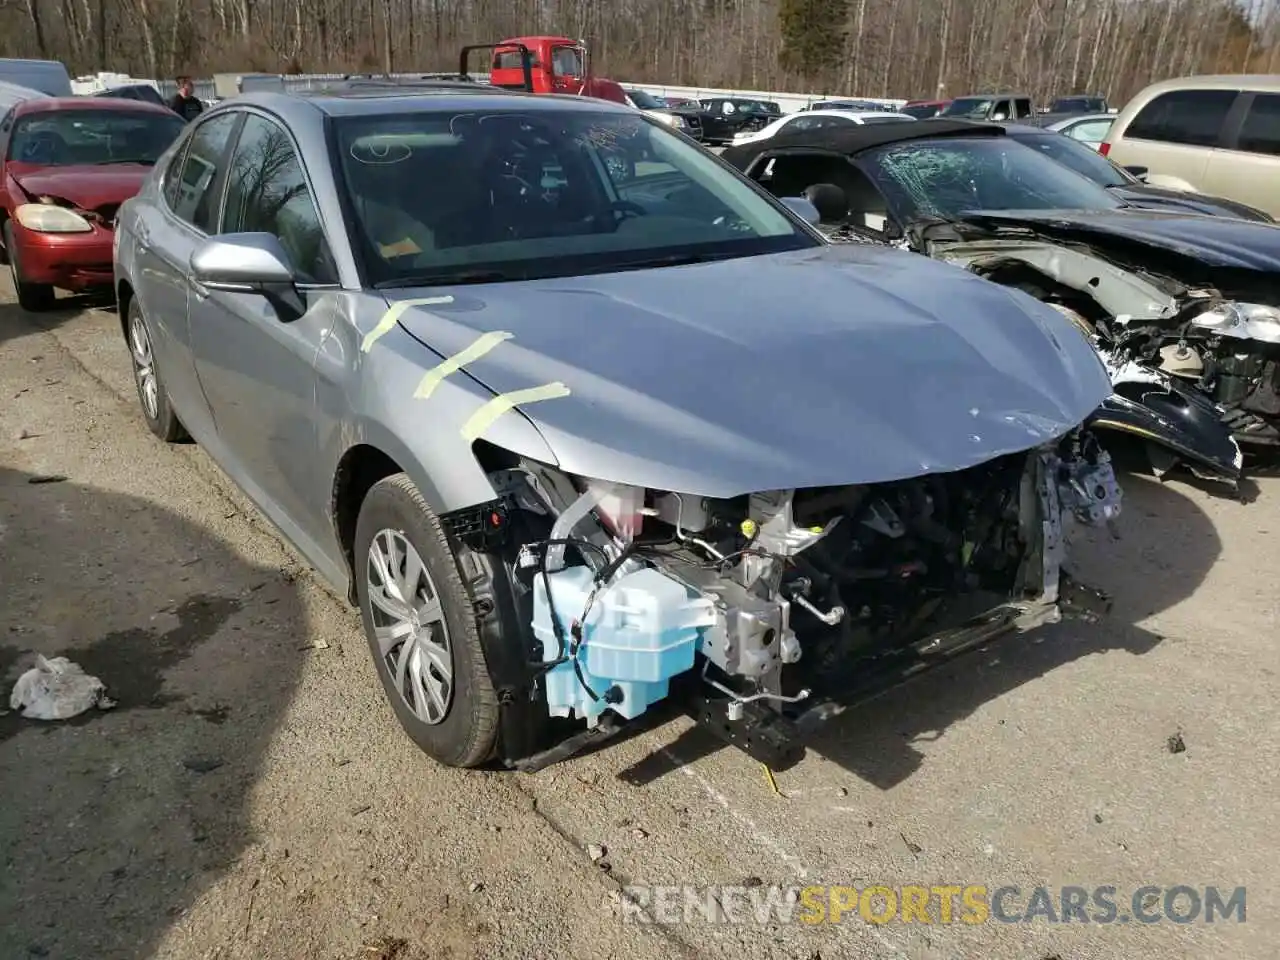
(584, 421)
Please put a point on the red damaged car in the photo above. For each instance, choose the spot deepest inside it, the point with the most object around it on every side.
(66, 165)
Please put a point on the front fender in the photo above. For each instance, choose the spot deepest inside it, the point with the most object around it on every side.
(424, 434)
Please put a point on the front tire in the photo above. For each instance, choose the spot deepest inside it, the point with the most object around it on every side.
(157, 410)
(32, 297)
(421, 627)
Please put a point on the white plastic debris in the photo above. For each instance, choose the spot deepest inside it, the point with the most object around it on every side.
(57, 689)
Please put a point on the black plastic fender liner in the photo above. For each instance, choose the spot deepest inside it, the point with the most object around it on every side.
(485, 540)
(1176, 417)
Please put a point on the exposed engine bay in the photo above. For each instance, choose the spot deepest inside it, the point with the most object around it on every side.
(770, 602)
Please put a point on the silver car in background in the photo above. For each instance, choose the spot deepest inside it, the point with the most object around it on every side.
(582, 419)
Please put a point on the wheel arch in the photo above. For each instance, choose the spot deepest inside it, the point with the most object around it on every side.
(375, 458)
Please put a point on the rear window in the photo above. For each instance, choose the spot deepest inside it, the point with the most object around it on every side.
(1191, 117)
(512, 60)
(64, 138)
(1261, 130)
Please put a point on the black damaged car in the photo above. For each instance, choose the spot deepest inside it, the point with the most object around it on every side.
(1183, 308)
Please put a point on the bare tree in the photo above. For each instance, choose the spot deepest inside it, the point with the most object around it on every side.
(902, 48)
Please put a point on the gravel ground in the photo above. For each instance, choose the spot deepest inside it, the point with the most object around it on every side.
(251, 795)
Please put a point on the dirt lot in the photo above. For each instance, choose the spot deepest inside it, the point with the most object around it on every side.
(252, 797)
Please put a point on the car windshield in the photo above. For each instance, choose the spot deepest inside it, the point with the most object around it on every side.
(475, 197)
(921, 111)
(946, 178)
(64, 138)
(646, 101)
(137, 91)
(967, 107)
(1080, 158)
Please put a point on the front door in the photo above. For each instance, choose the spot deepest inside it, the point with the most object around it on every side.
(257, 365)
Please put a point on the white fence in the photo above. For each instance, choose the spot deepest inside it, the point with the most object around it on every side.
(207, 89)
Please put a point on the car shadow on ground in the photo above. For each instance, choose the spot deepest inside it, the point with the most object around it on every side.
(16, 322)
(115, 822)
(1166, 549)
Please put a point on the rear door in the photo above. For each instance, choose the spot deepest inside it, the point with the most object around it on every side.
(1247, 166)
(256, 362)
(166, 232)
(1175, 134)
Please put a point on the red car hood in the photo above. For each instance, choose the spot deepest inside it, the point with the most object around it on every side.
(88, 186)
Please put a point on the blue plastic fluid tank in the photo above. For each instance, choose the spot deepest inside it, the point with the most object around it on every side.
(642, 630)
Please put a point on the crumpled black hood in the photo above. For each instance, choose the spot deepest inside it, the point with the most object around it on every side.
(1215, 242)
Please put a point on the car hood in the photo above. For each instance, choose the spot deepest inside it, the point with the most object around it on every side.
(828, 366)
(1161, 198)
(88, 186)
(1211, 241)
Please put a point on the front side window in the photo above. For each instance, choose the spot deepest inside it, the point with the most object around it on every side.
(267, 192)
(206, 153)
(1191, 117)
(66, 138)
(946, 178)
(1083, 160)
(505, 195)
(566, 61)
(1261, 130)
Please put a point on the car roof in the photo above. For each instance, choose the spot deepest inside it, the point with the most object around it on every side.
(994, 96)
(852, 140)
(369, 99)
(1266, 82)
(52, 104)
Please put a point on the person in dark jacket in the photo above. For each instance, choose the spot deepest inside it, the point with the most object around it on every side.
(185, 104)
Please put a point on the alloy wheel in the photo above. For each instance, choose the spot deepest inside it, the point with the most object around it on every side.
(144, 368)
(409, 626)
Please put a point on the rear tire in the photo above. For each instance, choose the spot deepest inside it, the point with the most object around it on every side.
(157, 410)
(427, 650)
(32, 297)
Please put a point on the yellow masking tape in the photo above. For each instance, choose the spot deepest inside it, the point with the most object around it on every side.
(393, 314)
(433, 377)
(483, 419)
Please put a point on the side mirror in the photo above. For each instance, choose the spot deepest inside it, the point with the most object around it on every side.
(830, 201)
(249, 263)
(802, 208)
(241, 263)
(1139, 172)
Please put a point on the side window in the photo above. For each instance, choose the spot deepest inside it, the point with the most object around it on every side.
(801, 124)
(196, 202)
(267, 193)
(1023, 107)
(1192, 117)
(1261, 130)
(173, 178)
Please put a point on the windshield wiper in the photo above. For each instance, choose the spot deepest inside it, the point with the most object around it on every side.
(139, 160)
(675, 260)
(444, 278)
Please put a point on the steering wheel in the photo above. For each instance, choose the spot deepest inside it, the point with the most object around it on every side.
(626, 208)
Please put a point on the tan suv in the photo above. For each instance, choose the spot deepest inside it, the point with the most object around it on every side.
(1218, 135)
